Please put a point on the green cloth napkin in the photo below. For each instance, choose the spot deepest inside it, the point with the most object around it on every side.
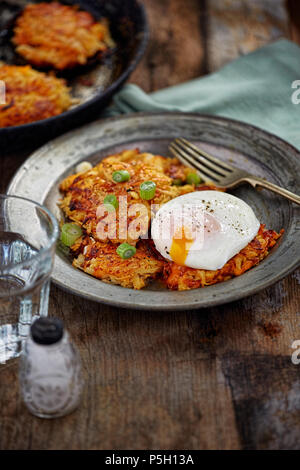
(256, 88)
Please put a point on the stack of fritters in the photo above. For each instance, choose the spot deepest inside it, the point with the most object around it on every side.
(84, 192)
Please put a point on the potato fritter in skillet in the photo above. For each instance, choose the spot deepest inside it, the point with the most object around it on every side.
(59, 36)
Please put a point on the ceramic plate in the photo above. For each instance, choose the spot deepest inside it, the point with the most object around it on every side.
(245, 146)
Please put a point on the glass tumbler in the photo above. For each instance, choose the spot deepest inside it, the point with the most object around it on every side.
(28, 233)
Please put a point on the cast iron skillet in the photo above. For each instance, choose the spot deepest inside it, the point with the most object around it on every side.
(93, 84)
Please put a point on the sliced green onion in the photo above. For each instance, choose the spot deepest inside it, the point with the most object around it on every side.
(126, 251)
(70, 233)
(112, 200)
(65, 250)
(147, 190)
(109, 207)
(177, 182)
(121, 176)
(193, 178)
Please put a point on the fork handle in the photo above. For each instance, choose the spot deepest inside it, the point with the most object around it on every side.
(255, 181)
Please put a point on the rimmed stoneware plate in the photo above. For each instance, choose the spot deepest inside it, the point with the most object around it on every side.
(245, 146)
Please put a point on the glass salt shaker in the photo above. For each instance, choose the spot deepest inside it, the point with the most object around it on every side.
(50, 370)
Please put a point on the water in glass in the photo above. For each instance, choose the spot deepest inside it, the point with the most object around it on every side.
(27, 241)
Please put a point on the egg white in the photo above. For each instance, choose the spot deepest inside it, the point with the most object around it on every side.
(236, 226)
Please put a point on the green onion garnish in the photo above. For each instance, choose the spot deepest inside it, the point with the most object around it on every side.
(193, 178)
(70, 233)
(109, 207)
(121, 176)
(126, 251)
(147, 190)
(177, 182)
(112, 200)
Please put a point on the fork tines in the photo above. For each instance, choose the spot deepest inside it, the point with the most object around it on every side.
(207, 166)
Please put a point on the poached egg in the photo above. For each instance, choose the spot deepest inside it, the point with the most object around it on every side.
(203, 229)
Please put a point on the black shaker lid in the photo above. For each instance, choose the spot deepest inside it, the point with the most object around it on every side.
(47, 330)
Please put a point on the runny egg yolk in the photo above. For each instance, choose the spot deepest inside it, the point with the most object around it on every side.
(183, 238)
(181, 244)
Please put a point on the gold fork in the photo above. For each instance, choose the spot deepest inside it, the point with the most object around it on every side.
(220, 173)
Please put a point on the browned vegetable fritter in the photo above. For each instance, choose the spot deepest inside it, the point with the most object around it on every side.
(183, 278)
(102, 261)
(59, 36)
(84, 192)
(31, 95)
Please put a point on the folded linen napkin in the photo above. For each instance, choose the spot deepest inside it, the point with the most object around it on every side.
(256, 88)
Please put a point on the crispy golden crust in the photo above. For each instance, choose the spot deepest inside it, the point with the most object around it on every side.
(102, 261)
(85, 192)
(184, 278)
(59, 36)
(31, 95)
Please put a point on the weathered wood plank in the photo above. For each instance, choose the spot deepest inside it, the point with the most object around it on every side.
(293, 8)
(218, 32)
(208, 379)
(219, 378)
(176, 50)
(238, 27)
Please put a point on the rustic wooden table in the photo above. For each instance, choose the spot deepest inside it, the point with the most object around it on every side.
(220, 378)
